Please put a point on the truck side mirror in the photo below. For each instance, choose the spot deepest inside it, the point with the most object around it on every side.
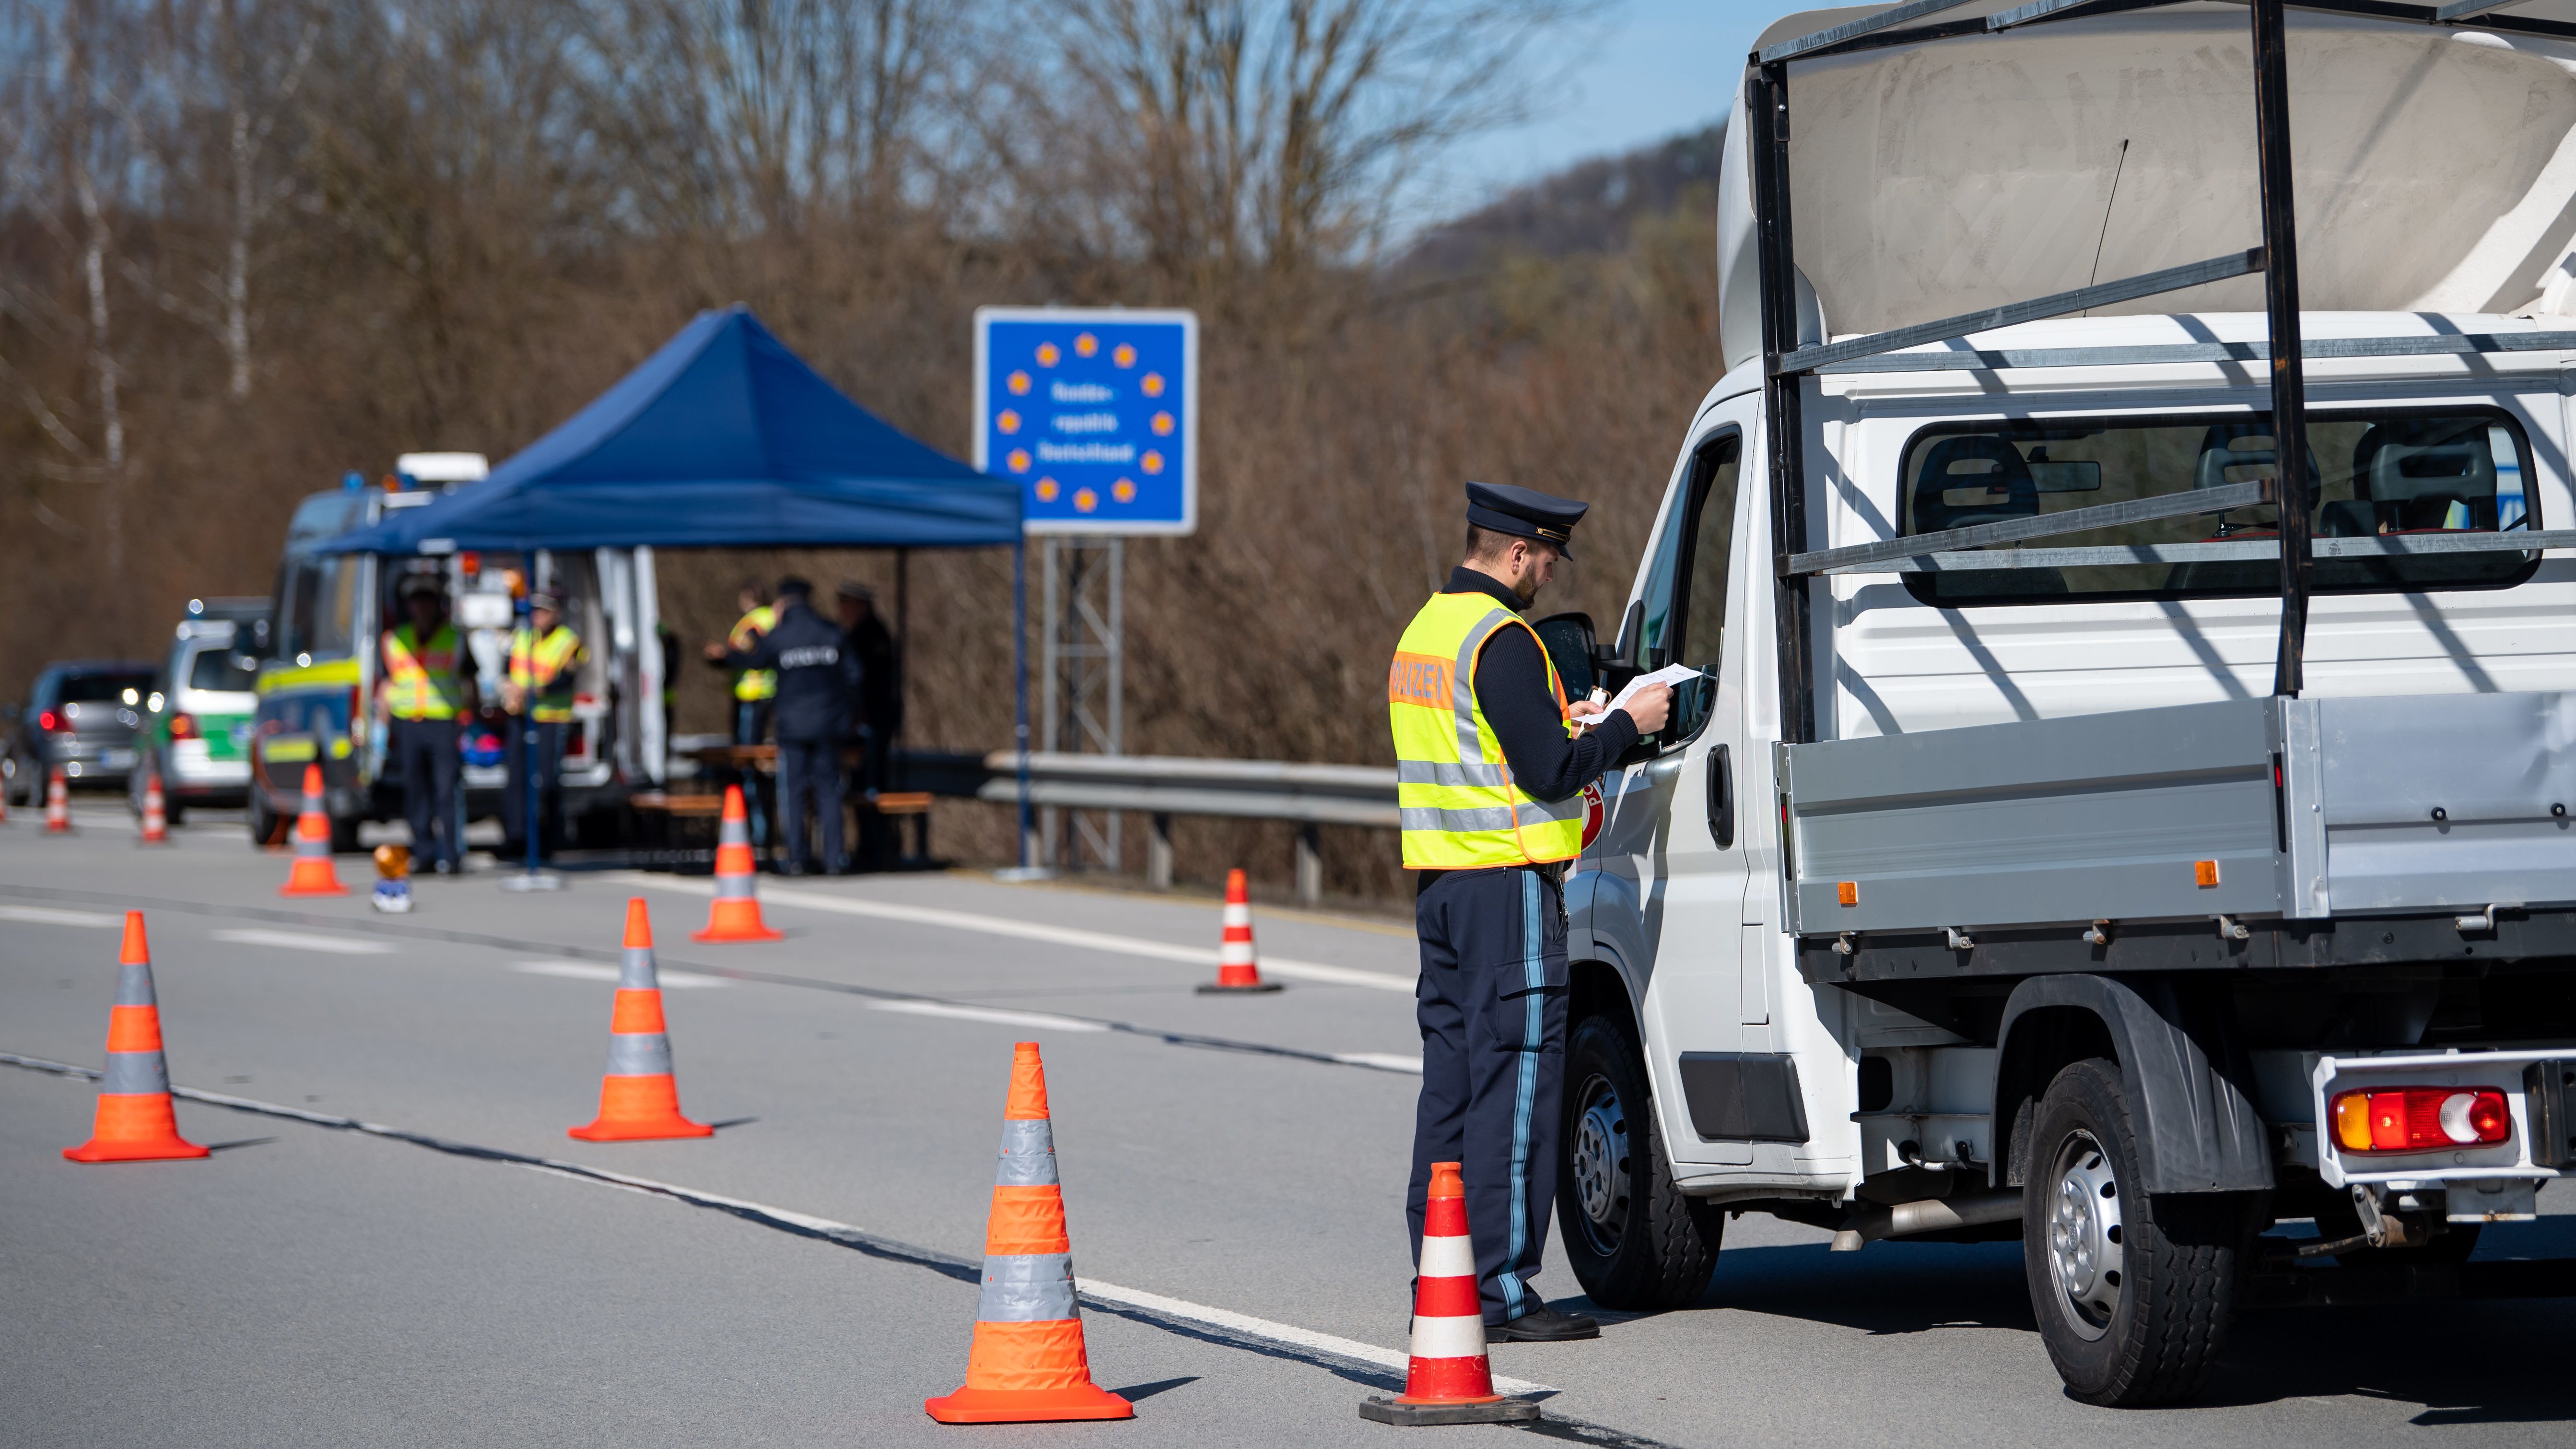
(1570, 645)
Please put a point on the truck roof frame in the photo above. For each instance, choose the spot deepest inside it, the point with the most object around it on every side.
(1786, 364)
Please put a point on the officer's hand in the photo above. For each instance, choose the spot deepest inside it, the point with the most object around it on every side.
(1650, 707)
(715, 653)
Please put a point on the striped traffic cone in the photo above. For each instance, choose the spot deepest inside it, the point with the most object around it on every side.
(312, 875)
(156, 812)
(1027, 1362)
(735, 916)
(135, 1123)
(639, 1099)
(1448, 1381)
(58, 804)
(1238, 967)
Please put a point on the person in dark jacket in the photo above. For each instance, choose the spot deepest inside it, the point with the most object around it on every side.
(817, 676)
(878, 711)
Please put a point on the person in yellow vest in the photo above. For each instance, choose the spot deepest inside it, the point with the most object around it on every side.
(1489, 778)
(754, 690)
(424, 695)
(545, 661)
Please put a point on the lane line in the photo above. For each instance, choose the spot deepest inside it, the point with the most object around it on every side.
(1389, 1364)
(49, 916)
(1028, 931)
(1364, 1061)
(305, 941)
(997, 1015)
(601, 971)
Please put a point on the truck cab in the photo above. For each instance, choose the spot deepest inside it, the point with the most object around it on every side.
(1994, 886)
(318, 668)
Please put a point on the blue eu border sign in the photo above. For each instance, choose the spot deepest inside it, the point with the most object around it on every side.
(1094, 412)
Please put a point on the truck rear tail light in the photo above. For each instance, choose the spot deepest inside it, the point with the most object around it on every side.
(48, 721)
(2419, 1119)
(183, 726)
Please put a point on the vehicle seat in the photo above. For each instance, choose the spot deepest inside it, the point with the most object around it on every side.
(2413, 475)
(1960, 465)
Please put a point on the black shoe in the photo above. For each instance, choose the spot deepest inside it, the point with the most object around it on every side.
(791, 868)
(1544, 1325)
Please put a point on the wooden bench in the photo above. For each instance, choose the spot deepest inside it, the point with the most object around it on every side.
(670, 827)
(895, 805)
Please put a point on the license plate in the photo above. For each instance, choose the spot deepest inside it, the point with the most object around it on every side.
(116, 759)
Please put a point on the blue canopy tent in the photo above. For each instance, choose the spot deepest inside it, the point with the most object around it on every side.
(722, 439)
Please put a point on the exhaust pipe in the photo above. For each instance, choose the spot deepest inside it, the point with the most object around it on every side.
(1874, 1221)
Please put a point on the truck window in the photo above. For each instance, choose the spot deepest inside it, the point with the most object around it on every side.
(2377, 473)
(214, 669)
(321, 599)
(1685, 592)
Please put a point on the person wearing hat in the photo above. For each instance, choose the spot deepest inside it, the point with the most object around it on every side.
(1489, 779)
(817, 676)
(424, 695)
(545, 663)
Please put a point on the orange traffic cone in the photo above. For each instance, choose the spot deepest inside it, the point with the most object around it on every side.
(156, 812)
(312, 875)
(1448, 1380)
(58, 804)
(135, 1123)
(639, 1099)
(1027, 1361)
(1238, 968)
(735, 916)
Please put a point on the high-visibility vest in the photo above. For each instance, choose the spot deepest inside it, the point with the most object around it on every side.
(1454, 793)
(542, 668)
(753, 684)
(422, 683)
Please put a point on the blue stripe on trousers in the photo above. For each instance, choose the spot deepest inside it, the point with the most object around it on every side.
(1534, 974)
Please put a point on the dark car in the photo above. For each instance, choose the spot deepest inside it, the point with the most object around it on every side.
(82, 715)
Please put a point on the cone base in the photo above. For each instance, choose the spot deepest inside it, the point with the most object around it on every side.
(163, 1149)
(1450, 1411)
(1027, 1406)
(719, 934)
(327, 886)
(650, 1130)
(1237, 988)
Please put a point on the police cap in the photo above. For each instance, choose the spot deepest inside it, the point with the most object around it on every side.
(419, 586)
(546, 601)
(1525, 513)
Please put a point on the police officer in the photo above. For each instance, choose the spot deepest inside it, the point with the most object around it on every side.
(425, 695)
(754, 690)
(816, 678)
(545, 662)
(1489, 780)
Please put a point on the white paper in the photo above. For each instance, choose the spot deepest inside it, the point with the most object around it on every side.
(1670, 674)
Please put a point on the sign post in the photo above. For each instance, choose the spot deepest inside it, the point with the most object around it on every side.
(1094, 412)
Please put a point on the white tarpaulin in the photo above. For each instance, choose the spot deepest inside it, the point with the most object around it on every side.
(2436, 167)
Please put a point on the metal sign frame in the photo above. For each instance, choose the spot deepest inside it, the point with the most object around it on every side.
(1188, 321)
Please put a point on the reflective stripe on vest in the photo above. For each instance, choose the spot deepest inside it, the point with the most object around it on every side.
(548, 678)
(753, 684)
(1454, 793)
(422, 683)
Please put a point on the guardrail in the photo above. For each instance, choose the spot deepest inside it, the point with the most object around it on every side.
(1162, 786)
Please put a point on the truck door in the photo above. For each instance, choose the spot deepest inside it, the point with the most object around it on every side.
(1692, 875)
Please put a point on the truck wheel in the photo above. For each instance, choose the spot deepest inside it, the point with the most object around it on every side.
(267, 827)
(1635, 1241)
(2133, 1293)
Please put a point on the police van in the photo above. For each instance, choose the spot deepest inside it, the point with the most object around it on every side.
(317, 666)
(2075, 833)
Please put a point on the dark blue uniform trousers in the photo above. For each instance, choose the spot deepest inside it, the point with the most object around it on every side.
(1491, 1004)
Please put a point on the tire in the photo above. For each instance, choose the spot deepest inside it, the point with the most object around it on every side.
(344, 836)
(267, 827)
(1635, 1241)
(2133, 1293)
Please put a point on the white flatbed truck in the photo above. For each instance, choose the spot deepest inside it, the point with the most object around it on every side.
(2078, 833)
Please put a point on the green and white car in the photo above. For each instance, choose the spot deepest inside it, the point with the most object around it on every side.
(199, 734)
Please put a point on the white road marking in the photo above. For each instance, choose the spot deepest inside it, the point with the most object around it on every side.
(305, 941)
(992, 1014)
(594, 971)
(49, 916)
(1243, 1324)
(1033, 931)
(1383, 1061)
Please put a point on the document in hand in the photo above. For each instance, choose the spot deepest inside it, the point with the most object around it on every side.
(1671, 674)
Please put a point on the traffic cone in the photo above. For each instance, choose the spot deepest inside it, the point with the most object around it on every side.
(58, 804)
(735, 915)
(1238, 968)
(312, 874)
(1027, 1362)
(156, 812)
(1448, 1381)
(135, 1123)
(639, 1099)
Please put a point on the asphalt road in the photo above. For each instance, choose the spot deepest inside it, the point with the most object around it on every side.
(1233, 1177)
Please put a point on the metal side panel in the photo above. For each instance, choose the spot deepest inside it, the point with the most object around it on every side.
(2444, 800)
(2095, 816)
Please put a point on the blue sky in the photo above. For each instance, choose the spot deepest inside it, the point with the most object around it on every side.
(1645, 70)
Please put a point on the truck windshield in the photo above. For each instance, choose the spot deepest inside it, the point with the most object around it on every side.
(2373, 474)
(321, 600)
